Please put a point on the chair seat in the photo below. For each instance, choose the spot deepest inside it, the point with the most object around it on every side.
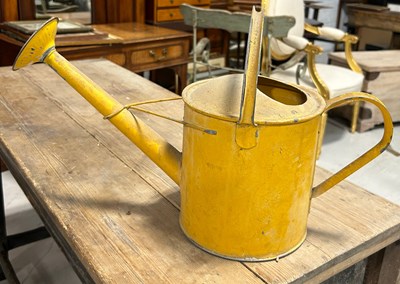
(338, 79)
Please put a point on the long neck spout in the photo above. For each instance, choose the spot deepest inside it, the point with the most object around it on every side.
(167, 157)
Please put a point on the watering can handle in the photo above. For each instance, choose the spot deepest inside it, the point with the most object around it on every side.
(252, 66)
(367, 156)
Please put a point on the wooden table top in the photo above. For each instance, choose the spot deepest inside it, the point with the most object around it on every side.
(115, 214)
(104, 34)
(372, 61)
(138, 32)
(383, 19)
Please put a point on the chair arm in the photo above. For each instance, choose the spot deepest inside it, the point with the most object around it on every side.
(312, 50)
(295, 42)
(348, 41)
(340, 36)
(326, 32)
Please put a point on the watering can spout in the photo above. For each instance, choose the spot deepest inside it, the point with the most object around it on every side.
(41, 48)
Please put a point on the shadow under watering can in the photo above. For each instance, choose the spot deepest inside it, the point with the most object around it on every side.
(246, 169)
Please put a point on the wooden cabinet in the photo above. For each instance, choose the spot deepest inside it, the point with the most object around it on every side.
(16, 10)
(164, 11)
(245, 5)
(117, 11)
(220, 4)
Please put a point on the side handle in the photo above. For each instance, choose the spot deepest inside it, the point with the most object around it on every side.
(367, 156)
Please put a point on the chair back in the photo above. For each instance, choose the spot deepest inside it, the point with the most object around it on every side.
(294, 8)
(198, 17)
(215, 18)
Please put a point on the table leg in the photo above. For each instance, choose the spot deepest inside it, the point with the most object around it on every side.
(7, 271)
(2, 166)
(181, 73)
(384, 266)
(395, 43)
(390, 270)
(8, 243)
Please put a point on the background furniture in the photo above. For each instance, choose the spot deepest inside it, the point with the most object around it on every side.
(198, 17)
(167, 11)
(330, 81)
(115, 214)
(117, 11)
(384, 20)
(102, 11)
(382, 72)
(220, 4)
(318, 75)
(50, 6)
(17, 10)
(135, 46)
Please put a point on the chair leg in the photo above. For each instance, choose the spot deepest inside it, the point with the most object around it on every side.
(356, 111)
(321, 133)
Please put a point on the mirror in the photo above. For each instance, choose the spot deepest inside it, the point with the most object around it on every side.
(73, 10)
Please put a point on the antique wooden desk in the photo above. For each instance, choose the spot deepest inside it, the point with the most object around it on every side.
(135, 46)
(115, 214)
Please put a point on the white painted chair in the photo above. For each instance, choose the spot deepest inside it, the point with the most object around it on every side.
(330, 80)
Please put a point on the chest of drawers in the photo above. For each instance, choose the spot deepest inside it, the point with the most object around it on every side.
(164, 11)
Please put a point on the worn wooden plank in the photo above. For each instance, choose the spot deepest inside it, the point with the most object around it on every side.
(372, 61)
(108, 190)
(120, 228)
(385, 20)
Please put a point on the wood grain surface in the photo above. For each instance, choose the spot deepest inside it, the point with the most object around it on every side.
(116, 215)
(372, 61)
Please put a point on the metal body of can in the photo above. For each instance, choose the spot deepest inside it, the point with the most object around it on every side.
(248, 203)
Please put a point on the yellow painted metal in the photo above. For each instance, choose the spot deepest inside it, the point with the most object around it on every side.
(246, 130)
(247, 200)
(40, 48)
(252, 204)
(252, 69)
(348, 41)
(248, 204)
(356, 97)
(313, 50)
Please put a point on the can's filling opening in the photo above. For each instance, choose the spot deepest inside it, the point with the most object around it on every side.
(284, 96)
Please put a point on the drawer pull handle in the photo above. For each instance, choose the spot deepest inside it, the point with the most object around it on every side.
(171, 1)
(163, 55)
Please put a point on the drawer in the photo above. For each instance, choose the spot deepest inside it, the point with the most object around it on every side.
(176, 3)
(165, 15)
(117, 58)
(157, 54)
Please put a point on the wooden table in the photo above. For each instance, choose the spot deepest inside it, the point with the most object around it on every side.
(135, 46)
(376, 19)
(382, 70)
(115, 214)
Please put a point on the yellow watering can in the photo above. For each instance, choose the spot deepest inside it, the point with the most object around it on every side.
(246, 169)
